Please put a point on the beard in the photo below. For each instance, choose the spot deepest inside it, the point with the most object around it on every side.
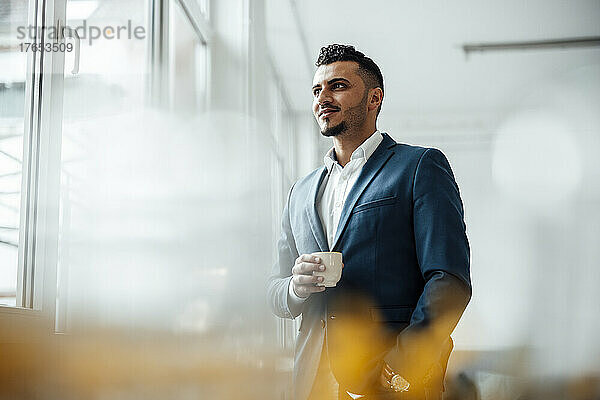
(335, 130)
(354, 118)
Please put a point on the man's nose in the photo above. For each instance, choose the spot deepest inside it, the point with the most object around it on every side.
(324, 97)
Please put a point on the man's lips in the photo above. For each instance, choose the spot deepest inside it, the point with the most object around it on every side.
(327, 112)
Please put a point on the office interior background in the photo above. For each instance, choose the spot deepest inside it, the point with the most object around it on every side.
(141, 196)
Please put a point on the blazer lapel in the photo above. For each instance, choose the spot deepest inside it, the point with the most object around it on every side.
(311, 210)
(369, 170)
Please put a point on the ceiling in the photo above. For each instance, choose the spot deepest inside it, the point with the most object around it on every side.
(428, 78)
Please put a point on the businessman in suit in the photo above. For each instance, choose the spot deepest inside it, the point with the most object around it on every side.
(394, 212)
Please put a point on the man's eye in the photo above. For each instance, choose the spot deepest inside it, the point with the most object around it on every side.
(338, 85)
(316, 92)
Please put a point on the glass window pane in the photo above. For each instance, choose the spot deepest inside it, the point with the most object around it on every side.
(203, 7)
(13, 14)
(188, 64)
(110, 83)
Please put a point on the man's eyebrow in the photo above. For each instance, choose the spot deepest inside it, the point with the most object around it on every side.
(332, 81)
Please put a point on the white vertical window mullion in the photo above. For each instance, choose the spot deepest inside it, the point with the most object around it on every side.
(41, 164)
(27, 223)
(48, 185)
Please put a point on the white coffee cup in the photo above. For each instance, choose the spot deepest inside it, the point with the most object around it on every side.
(333, 268)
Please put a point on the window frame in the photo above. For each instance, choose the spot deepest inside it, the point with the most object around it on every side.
(38, 227)
(158, 46)
(42, 139)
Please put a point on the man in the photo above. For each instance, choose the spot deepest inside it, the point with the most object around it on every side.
(394, 212)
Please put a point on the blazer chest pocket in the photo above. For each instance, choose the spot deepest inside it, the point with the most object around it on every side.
(375, 203)
(391, 314)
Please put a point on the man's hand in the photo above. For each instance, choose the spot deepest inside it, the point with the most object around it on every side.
(303, 281)
(386, 379)
(385, 376)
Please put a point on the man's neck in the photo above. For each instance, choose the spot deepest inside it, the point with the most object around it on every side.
(346, 143)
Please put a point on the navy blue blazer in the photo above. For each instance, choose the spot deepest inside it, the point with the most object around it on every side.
(406, 267)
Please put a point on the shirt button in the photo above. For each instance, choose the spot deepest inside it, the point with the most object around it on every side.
(323, 324)
(338, 204)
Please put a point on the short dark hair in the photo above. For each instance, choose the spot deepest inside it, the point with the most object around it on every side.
(367, 69)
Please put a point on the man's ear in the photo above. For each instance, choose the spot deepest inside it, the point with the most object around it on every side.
(375, 98)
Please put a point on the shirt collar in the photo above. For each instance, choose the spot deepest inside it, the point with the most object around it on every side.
(365, 150)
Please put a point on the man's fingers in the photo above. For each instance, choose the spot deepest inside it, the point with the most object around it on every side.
(304, 285)
(305, 290)
(306, 268)
(306, 279)
(308, 258)
(383, 381)
(303, 279)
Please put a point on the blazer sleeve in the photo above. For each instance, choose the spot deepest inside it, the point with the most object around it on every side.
(281, 273)
(442, 251)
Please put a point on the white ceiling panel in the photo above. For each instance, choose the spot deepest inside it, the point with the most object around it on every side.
(418, 47)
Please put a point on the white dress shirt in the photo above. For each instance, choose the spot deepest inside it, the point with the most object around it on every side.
(335, 188)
